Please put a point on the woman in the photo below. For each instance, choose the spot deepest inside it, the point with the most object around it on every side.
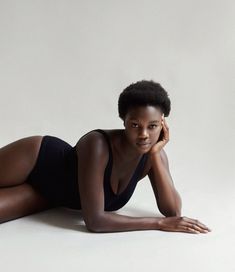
(99, 174)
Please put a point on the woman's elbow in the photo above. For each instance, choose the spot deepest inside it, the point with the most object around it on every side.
(93, 228)
(94, 224)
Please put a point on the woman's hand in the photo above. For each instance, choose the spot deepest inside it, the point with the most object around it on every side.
(160, 144)
(182, 224)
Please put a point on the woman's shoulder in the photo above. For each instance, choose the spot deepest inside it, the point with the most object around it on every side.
(99, 134)
(92, 147)
(98, 139)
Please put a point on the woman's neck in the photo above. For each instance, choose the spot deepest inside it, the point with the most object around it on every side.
(124, 149)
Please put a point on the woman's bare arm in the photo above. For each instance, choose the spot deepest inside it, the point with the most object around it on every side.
(167, 198)
(92, 160)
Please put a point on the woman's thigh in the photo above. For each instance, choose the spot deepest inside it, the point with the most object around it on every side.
(20, 200)
(17, 160)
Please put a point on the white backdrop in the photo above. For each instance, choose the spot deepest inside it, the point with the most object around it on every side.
(64, 63)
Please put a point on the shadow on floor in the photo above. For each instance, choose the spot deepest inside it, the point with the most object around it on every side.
(62, 218)
(72, 219)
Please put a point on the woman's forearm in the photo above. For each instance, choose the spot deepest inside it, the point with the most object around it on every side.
(168, 199)
(111, 222)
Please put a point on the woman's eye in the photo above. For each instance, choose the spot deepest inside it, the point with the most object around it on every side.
(153, 126)
(134, 125)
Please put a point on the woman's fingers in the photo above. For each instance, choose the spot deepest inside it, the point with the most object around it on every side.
(190, 230)
(165, 129)
(194, 228)
(164, 123)
(182, 224)
(196, 222)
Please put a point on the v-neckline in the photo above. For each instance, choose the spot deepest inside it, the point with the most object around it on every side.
(111, 168)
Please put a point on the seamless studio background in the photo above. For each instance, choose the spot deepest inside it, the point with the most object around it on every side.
(63, 65)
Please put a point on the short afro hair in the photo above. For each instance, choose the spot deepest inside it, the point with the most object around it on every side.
(143, 93)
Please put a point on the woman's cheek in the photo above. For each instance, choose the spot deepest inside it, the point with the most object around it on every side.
(130, 136)
(156, 136)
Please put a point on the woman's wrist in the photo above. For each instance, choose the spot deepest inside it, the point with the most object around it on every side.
(154, 154)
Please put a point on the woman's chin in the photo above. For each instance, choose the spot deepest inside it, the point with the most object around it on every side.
(143, 148)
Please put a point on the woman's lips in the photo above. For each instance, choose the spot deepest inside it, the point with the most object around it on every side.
(143, 145)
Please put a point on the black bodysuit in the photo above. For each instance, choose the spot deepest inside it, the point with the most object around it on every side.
(55, 175)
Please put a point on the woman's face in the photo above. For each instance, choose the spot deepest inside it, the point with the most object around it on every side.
(142, 127)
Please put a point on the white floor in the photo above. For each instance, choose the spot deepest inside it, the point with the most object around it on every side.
(57, 240)
(62, 65)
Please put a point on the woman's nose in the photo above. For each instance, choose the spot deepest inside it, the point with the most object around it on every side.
(143, 133)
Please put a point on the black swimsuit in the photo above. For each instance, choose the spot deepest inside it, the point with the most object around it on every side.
(55, 175)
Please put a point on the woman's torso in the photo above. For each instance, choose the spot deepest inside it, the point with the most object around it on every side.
(121, 173)
(56, 174)
(122, 167)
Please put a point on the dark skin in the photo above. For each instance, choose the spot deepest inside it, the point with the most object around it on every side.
(142, 128)
(142, 125)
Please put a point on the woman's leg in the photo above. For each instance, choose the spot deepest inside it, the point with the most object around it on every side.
(17, 159)
(18, 198)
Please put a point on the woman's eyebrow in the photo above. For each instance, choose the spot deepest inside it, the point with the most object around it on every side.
(153, 121)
